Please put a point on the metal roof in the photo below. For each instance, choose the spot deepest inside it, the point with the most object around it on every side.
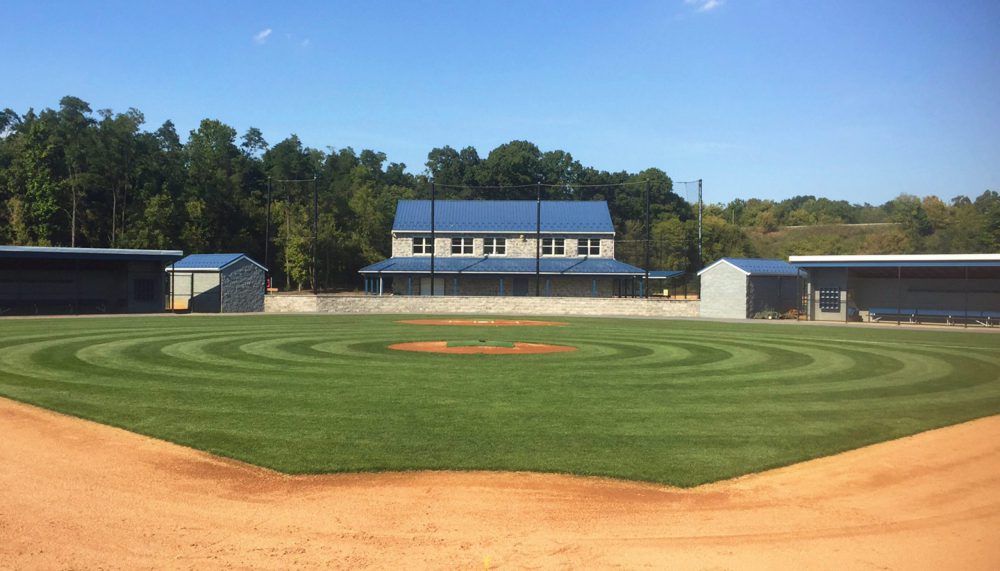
(558, 216)
(664, 274)
(46, 252)
(898, 261)
(469, 265)
(757, 266)
(210, 262)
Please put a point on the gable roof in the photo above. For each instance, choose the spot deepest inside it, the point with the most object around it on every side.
(756, 266)
(211, 262)
(563, 216)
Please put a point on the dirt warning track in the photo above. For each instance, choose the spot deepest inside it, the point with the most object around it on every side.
(79, 495)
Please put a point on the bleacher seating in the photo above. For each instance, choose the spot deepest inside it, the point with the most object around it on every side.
(949, 316)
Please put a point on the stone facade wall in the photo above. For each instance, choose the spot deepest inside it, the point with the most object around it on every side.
(291, 303)
(242, 288)
(567, 306)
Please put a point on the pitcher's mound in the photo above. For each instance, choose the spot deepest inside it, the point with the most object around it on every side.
(483, 322)
(516, 348)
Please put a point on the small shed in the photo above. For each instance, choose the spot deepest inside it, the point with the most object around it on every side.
(216, 283)
(739, 288)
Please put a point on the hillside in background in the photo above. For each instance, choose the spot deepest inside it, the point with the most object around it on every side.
(829, 239)
(73, 177)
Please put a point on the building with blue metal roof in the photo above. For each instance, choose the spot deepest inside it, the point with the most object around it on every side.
(742, 288)
(36, 280)
(503, 247)
(216, 283)
(913, 288)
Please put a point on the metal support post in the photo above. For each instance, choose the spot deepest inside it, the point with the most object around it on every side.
(648, 239)
(538, 236)
(433, 239)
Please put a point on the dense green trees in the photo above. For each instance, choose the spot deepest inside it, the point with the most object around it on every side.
(75, 177)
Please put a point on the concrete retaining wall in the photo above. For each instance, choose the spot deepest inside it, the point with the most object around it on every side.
(625, 307)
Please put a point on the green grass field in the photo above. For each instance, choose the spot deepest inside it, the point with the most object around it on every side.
(679, 402)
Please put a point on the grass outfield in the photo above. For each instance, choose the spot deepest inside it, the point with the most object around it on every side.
(678, 402)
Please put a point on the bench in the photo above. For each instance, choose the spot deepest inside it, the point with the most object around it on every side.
(949, 316)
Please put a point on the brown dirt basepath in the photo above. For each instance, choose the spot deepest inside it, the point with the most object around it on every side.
(79, 495)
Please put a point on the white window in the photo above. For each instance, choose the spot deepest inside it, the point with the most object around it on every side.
(422, 246)
(553, 247)
(461, 246)
(495, 246)
(588, 247)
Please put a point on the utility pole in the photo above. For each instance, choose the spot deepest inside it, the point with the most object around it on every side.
(267, 228)
(699, 223)
(315, 273)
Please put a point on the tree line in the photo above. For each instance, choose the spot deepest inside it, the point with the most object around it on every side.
(75, 177)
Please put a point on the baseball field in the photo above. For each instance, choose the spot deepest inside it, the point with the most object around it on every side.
(675, 402)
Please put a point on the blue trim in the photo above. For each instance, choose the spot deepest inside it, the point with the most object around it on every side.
(488, 265)
(932, 264)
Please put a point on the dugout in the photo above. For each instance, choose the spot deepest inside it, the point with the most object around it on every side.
(946, 288)
(740, 288)
(37, 280)
(216, 283)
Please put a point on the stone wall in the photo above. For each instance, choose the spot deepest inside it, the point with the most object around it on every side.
(624, 307)
(242, 288)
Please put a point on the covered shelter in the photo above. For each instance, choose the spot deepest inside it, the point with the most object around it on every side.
(216, 283)
(37, 280)
(917, 288)
(740, 288)
(661, 282)
(595, 277)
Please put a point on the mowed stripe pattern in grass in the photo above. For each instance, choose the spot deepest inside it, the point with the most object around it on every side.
(683, 402)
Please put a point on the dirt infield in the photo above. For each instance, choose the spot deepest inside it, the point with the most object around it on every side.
(484, 322)
(518, 348)
(79, 495)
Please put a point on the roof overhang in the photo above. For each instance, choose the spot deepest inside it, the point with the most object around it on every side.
(665, 274)
(111, 254)
(527, 232)
(897, 261)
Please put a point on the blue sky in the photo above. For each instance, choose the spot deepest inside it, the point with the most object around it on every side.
(859, 101)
